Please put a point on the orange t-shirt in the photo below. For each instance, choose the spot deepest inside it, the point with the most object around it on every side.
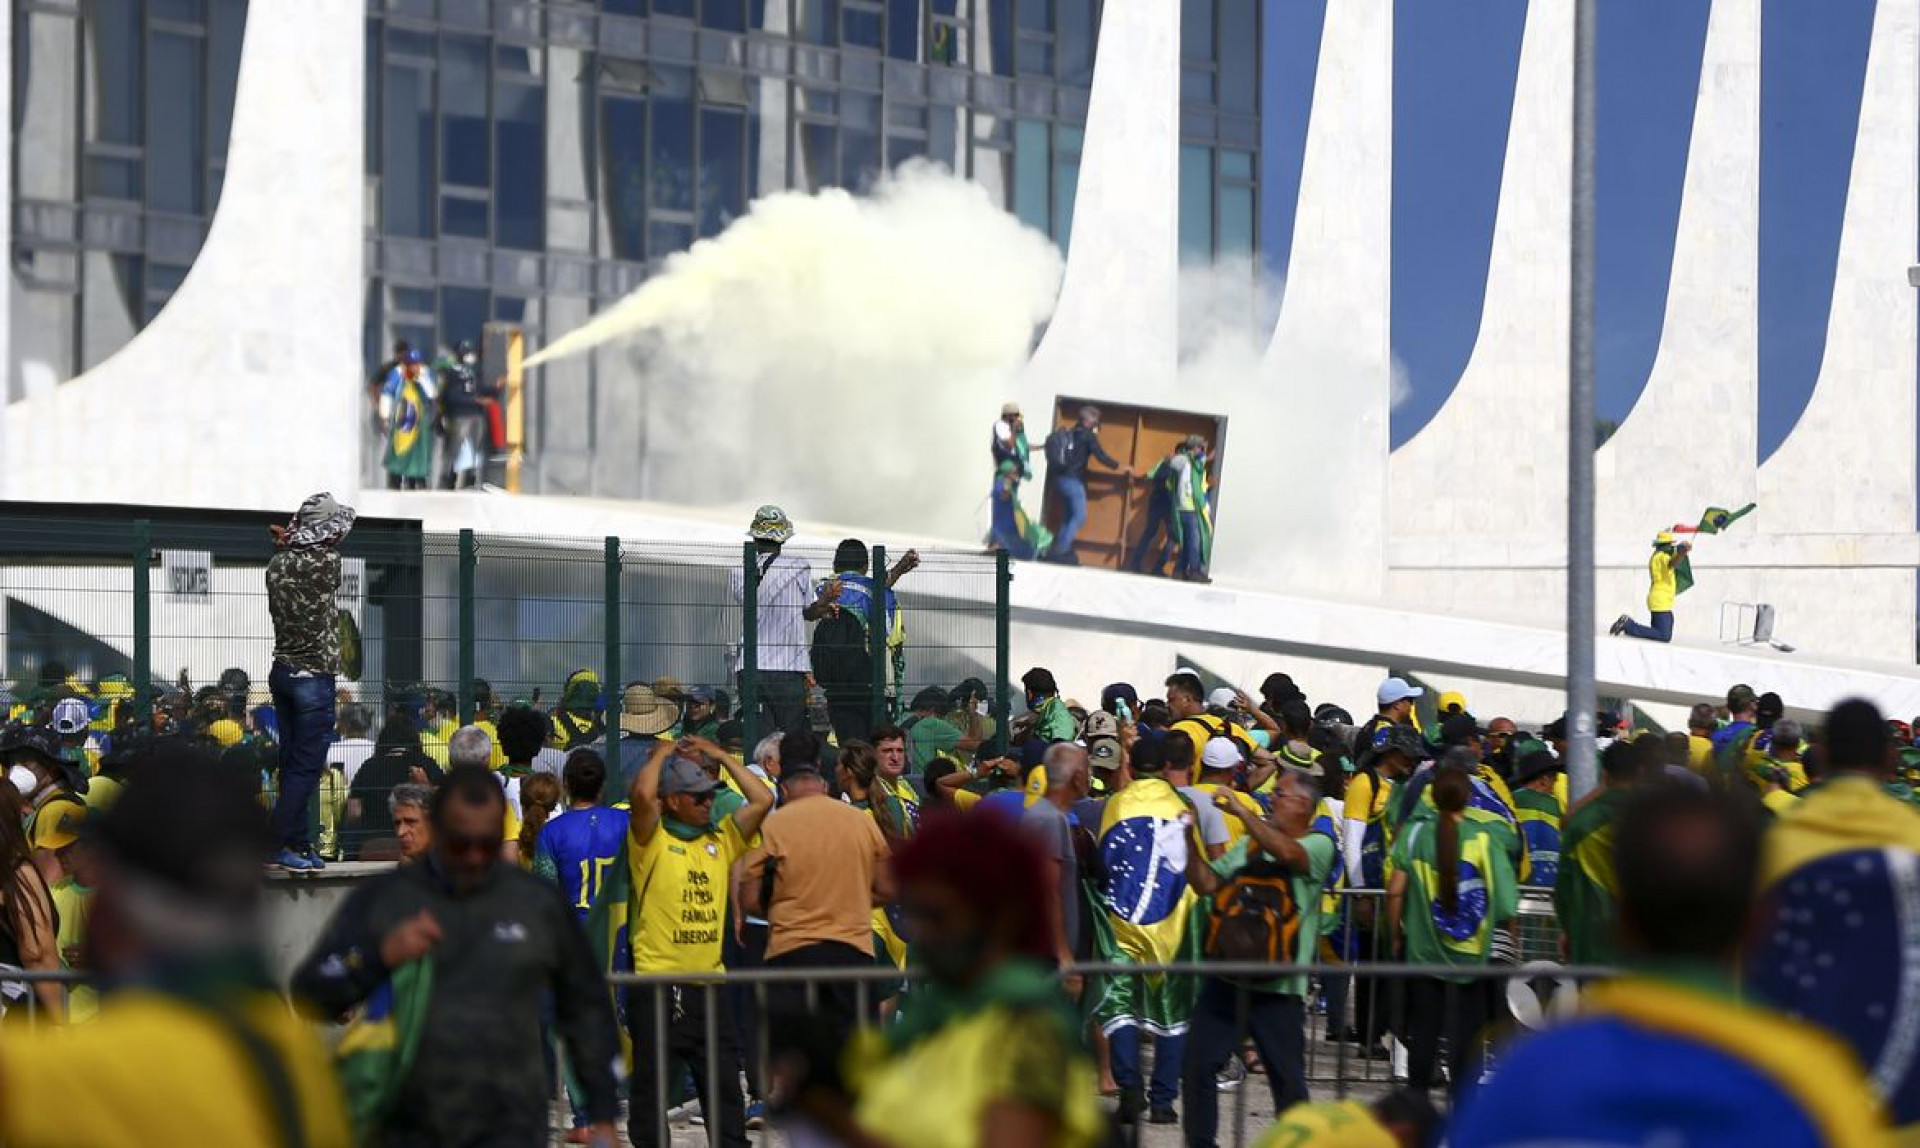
(828, 852)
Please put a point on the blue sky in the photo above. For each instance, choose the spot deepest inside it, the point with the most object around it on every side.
(1454, 68)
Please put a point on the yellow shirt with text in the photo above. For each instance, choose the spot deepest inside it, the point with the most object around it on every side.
(680, 898)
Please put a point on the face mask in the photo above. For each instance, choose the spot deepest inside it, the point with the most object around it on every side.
(980, 708)
(23, 779)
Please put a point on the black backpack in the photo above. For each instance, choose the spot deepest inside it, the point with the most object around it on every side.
(840, 653)
(1060, 449)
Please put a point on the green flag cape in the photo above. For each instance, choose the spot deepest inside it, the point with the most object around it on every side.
(376, 1051)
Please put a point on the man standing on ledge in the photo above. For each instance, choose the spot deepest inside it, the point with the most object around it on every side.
(1663, 567)
(302, 578)
(1070, 450)
(784, 605)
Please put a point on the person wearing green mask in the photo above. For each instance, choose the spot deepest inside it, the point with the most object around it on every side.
(681, 857)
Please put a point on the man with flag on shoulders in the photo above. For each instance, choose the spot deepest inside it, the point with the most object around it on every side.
(1146, 833)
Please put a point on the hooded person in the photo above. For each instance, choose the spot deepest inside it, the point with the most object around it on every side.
(303, 578)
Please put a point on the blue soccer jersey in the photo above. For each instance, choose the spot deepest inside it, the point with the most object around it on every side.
(581, 845)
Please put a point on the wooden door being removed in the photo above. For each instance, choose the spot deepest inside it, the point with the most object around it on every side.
(1117, 507)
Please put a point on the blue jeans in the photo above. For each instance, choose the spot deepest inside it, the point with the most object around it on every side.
(1074, 492)
(1223, 1018)
(304, 705)
(1660, 631)
(1168, 1052)
(1190, 559)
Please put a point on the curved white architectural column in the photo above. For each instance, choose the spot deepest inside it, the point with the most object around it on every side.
(246, 390)
(1848, 466)
(1331, 354)
(1494, 459)
(1660, 468)
(1117, 319)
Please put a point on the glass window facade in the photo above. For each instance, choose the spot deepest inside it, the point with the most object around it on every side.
(122, 110)
(535, 162)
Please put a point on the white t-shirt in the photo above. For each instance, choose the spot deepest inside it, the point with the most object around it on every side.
(1183, 488)
(1212, 822)
(786, 590)
(350, 753)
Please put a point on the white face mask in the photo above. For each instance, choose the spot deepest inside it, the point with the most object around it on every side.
(980, 708)
(23, 779)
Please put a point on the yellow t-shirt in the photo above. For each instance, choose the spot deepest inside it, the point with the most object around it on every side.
(72, 901)
(1700, 753)
(158, 1071)
(680, 894)
(499, 757)
(433, 741)
(1333, 1124)
(1666, 586)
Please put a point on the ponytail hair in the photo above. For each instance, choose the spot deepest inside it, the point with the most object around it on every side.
(539, 794)
(1451, 787)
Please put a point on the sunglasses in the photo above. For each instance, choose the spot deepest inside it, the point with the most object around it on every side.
(701, 798)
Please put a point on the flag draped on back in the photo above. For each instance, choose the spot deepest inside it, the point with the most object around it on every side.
(608, 919)
(1147, 909)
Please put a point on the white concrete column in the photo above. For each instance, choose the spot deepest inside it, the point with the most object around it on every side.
(246, 390)
(1848, 466)
(1691, 441)
(1494, 459)
(1330, 357)
(1117, 317)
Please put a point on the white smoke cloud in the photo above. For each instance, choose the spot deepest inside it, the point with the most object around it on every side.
(844, 356)
(838, 354)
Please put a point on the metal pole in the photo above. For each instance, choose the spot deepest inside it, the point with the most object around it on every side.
(877, 640)
(610, 612)
(749, 646)
(1002, 646)
(469, 559)
(1582, 697)
(142, 621)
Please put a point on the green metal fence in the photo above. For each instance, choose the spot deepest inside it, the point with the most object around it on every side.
(147, 609)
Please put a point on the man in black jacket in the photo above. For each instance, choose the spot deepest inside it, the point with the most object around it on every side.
(500, 940)
(1069, 451)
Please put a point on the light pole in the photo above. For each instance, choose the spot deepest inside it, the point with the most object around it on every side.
(1582, 696)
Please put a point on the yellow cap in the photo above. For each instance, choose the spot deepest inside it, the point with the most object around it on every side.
(1662, 538)
(1451, 700)
(1036, 784)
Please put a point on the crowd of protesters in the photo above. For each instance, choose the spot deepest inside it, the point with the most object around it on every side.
(950, 899)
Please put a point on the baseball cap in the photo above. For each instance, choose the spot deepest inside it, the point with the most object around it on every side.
(700, 695)
(1221, 753)
(1010, 410)
(1036, 787)
(1101, 724)
(1450, 701)
(70, 715)
(644, 713)
(1225, 697)
(1119, 691)
(1103, 752)
(1396, 690)
(682, 775)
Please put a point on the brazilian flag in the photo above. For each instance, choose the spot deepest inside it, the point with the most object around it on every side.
(608, 919)
(1715, 519)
